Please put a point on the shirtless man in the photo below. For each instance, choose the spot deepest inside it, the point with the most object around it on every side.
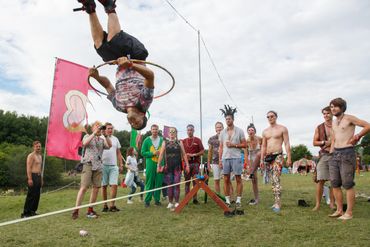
(342, 164)
(322, 139)
(34, 181)
(252, 152)
(272, 154)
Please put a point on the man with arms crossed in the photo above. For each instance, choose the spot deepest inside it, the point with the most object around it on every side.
(272, 154)
(213, 156)
(322, 140)
(232, 140)
(110, 168)
(342, 164)
(34, 181)
(194, 150)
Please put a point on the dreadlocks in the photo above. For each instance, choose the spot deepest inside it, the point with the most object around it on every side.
(228, 111)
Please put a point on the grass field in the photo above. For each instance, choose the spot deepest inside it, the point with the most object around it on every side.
(197, 225)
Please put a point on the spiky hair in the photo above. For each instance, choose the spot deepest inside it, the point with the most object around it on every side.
(228, 111)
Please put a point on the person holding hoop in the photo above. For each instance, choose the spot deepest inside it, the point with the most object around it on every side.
(134, 89)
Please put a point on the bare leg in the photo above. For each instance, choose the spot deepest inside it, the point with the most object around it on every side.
(255, 163)
(94, 194)
(350, 201)
(239, 185)
(332, 199)
(97, 32)
(104, 194)
(227, 184)
(319, 190)
(338, 200)
(80, 196)
(255, 187)
(113, 25)
(113, 194)
(217, 186)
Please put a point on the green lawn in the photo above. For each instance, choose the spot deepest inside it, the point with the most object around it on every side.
(197, 225)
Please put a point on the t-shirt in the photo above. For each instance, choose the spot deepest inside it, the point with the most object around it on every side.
(215, 143)
(130, 91)
(193, 145)
(132, 163)
(235, 138)
(110, 155)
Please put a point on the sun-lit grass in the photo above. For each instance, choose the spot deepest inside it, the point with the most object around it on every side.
(197, 225)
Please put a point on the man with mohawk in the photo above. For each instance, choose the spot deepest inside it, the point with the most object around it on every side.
(232, 141)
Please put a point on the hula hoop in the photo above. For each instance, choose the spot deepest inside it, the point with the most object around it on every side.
(136, 61)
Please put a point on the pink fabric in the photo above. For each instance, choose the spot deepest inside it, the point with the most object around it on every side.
(68, 110)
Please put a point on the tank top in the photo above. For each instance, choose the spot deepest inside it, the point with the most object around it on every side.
(173, 155)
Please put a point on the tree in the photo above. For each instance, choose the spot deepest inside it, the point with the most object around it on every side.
(365, 143)
(300, 151)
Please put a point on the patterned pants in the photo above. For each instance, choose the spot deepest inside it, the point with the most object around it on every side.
(274, 169)
(173, 177)
(194, 170)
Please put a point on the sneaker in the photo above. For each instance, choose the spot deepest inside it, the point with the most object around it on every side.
(147, 204)
(88, 5)
(130, 201)
(75, 214)
(195, 201)
(176, 204)
(253, 202)
(170, 205)
(158, 204)
(109, 5)
(105, 209)
(114, 209)
(92, 215)
(25, 215)
(276, 210)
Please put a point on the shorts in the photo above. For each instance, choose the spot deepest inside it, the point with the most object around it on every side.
(342, 167)
(322, 168)
(110, 175)
(234, 165)
(216, 171)
(88, 176)
(121, 45)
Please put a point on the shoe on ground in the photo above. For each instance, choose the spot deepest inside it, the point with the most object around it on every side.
(147, 204)
(158, 203)
(75, 214)
(130, 201)
(176, 204)
(253, 202)
(195, 201)
(109, 5)
(92, 215)
(88, 6)
(228, 204)
(114, 209)
(170, 205)
(276, 210)
(345, 217)
(23, 215)
(105, 209)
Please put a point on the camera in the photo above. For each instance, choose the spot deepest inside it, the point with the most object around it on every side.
(103, 127)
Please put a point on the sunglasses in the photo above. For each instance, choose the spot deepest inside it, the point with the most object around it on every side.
(172, 131)
(270, 116)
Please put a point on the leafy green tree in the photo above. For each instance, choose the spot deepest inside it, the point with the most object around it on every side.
(365, 143)
(300, 151)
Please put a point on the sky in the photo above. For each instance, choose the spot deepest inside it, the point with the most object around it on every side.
(289, 56)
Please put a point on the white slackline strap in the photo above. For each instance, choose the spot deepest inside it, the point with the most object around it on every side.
(66, 186)
(86, 205)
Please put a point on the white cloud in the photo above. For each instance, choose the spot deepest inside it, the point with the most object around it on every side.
(292, 57)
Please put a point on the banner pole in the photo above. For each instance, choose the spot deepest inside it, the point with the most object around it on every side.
(47, 128)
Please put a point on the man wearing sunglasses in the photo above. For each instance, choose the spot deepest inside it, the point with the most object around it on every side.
(272, 158)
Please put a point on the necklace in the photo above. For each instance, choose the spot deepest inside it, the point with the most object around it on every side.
(187, 142)
(340, 120)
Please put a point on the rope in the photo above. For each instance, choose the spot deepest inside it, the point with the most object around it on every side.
(137, 61)
(11, 222)
(66, 186)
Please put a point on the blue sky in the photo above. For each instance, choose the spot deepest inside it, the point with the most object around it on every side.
(289, 56)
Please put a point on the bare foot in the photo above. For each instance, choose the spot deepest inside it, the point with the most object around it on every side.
(336, 214)
(316, 208)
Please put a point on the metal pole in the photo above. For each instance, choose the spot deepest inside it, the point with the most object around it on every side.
(200, 94)
(47, 129)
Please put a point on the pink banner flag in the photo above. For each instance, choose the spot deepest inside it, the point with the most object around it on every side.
(68, 114)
